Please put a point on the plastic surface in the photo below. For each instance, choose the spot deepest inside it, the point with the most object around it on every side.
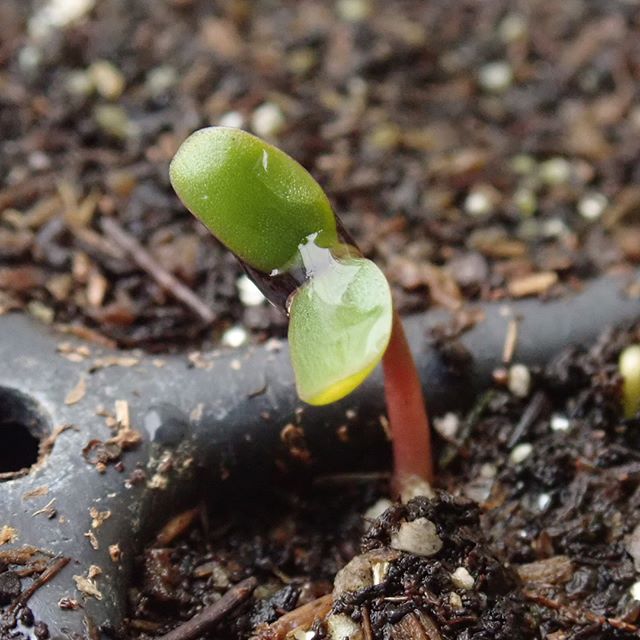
(202, 427)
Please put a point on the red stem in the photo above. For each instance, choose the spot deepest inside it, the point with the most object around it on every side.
(406, 409)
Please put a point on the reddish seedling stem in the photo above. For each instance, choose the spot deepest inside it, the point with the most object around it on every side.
(406, 410)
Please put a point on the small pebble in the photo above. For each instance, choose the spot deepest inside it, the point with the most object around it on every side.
(488, 470)
(235, 337)
(353, 10)
(512, 27)
(415, 487)
(357, 574)
(385, 136)
(79, 83)
(559, 422)
(478, 203)
(455, 600)
(462, 579)
(635, 590)
(521, 453)
(592, 206)
(41, 311)
(419, 537)
(554, 228)
(496, 77)
(629, 366)
(250, 295)
(555, 171)
(107, 79)
(232, 119)
(447, 426)
(39, 161)
(342, 627)
(113, 120)
(56, 14)
(523, 164)
(525, 201)
(302, 61)
(519, 380)
(267, 120)
(544, 500)
(160, 80)
(377, 509)
(29, 58)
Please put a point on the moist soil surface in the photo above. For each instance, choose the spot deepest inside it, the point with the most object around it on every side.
(539, 502)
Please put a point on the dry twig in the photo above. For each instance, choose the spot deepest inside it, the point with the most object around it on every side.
(149, 264)
(300, 618)
(211, 615)
(579, 616)
(52, 570)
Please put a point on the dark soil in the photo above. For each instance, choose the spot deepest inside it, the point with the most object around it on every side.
(468, 147)
(550, 547)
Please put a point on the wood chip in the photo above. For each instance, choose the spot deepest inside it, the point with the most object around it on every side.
(122, 414)
(88, 587)
(626, 203)
(85, 333)
(301, 618)
(510, 340)
(115, 553)
(533, 284)
(18, 279)
(73, 353)
(37, 492)
(415, 626)
(176, 527)
(98, 517)
(96, 288)
(7, 534)
(114, 361)
(77, 393)
(93, 541)
(554, 570)
(94, 571)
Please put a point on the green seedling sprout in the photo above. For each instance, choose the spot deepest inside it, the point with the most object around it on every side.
(629, 367)
(271, 213)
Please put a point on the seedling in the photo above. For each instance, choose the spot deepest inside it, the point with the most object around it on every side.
(629, 367)
(271, 213)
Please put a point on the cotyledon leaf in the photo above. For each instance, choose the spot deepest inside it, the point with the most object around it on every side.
(269, 211)
(255, 199)
(339, 328)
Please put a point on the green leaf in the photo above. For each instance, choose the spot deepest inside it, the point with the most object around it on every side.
(254, 198)
(339, 328)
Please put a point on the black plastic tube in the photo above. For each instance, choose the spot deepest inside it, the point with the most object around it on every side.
(232, 418)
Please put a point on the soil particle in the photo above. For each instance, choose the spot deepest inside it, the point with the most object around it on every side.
(10, 586)
(565, 515)
(490, 604)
